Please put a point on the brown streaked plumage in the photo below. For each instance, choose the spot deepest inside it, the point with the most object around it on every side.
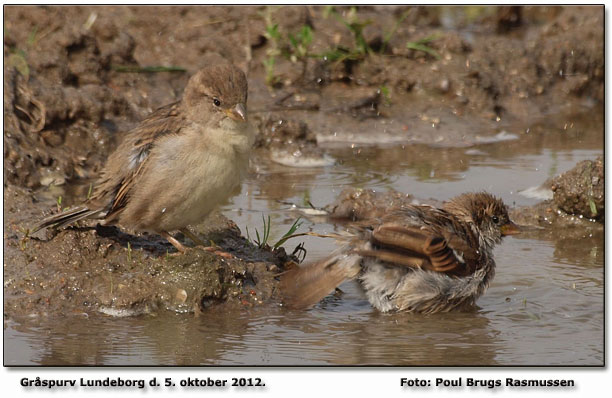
(415, 258)
(178, 164)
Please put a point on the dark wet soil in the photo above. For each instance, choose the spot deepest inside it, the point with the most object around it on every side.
(74, 83)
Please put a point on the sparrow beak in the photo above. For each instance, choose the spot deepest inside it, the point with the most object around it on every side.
(510, 229)
(238, 113)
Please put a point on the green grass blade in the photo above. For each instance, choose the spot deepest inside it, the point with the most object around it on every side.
(296, 224)
(422, 47)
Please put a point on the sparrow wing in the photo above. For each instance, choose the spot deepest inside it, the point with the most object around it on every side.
(165, 120)
(122, 169)
(129, 160)
(421, 247)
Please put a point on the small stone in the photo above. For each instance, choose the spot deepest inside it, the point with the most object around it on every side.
(180, 296)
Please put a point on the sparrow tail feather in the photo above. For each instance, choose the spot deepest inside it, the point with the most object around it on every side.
(302, 287)
(67, 217)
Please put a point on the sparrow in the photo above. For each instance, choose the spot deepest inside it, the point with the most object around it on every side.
(178, 164)
(415, 258)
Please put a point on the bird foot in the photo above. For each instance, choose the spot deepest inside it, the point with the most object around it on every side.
(218, 251)
(182, 248)
(209, 248)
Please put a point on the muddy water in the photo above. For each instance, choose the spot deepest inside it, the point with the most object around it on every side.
(545, 306)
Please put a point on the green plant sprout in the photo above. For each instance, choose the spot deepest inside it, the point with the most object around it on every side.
(261, 240)
(384, 91)
(26, 237)
(289, 234)
(273, 36)
(295, 46)
(387, 37)
(421, 45)
(129, 252)
(356, 27)
(299, 47)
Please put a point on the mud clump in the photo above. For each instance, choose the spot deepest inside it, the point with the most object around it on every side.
(276, 133)
(580, 191)
(578, 200)
(366, 204)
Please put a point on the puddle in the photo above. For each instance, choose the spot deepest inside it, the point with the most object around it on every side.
(546, 293)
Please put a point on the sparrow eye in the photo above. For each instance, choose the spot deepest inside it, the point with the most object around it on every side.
(216, 102)
(495, 219)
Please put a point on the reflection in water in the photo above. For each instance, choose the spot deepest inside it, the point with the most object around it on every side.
(544, 307)
(406, 339)
(423, 162)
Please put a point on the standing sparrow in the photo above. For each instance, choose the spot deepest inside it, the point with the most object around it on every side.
(415, 258)
(178, 164)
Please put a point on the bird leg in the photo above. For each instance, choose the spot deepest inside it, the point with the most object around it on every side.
(199, 242)
(179, 246)
(193, 237)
